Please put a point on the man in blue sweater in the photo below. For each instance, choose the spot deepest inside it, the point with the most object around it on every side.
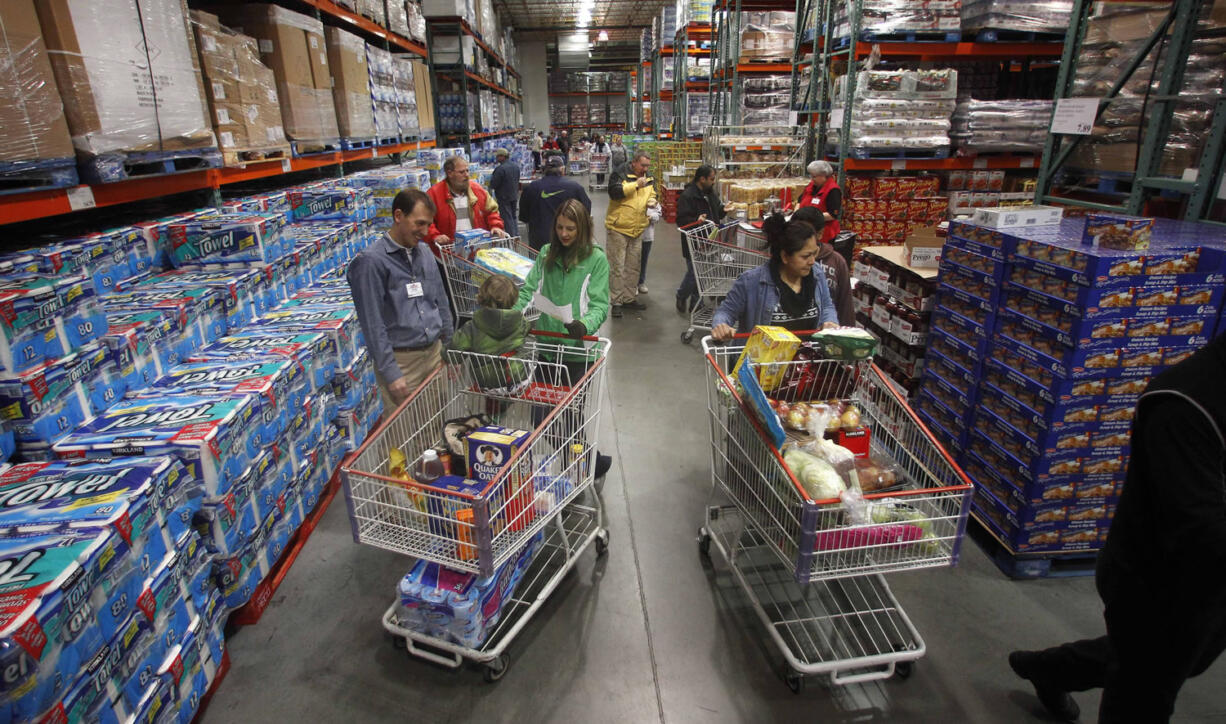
(504, 183)
(542, 198)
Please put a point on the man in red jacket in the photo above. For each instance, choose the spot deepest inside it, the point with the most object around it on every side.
(460, 205)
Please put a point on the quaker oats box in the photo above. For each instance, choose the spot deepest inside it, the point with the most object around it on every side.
(488, 449)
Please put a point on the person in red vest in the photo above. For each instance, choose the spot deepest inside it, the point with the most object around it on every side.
(461, 204)
(826, 195)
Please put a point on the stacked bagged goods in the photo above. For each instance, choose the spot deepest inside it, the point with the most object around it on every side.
(398, 18)
(1044, 336)
(350, 84)
(884, 210)
(1112, 40)
(128, 77)
(890, 17)
(417, 21)
(693, 11)
(646, 45)
(666, 24)
(373, 9)
(766, 100)
(35, 132)
(766, 36)
(617, 114)
(1029, 16)
(293, 45)
(1005, 125)
(381, 79)
(897, 111)
(756, 197)
(579, 114)
(698, 112)
(404, 80)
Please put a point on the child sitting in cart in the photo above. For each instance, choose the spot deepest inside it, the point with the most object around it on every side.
(495, 330)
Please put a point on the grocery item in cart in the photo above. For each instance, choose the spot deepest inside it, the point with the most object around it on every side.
(488, 449)
(768, 347)
(846, 343)
(500, 260)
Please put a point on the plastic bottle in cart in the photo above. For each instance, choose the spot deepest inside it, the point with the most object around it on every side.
(429, 468)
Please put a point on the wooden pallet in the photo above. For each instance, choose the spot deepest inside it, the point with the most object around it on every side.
(241, 156)
(1022, 566)
(306, 148)
(121, 166)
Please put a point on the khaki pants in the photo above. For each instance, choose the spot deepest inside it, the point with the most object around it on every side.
(416, 364)
(624, 254)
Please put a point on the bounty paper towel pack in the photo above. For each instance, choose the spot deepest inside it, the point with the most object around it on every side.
(239, 289)
(325, 201)
(211, 436)
(31, 323)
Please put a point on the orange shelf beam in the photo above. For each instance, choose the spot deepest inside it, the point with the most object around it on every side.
(331, 8)
(941, 164)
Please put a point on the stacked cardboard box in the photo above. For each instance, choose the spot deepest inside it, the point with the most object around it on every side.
(350, 84)
(242, 91)
(32, 116)
(884, 210)
(293, 45)
(405, 81)
(127, 74)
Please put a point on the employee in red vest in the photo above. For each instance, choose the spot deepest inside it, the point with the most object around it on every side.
(826, 195)
(461, 204)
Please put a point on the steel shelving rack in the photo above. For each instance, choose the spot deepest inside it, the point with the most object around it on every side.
(462, 80)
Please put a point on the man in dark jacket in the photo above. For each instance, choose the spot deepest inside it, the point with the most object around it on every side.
(564, 143)
(697, 202)
(544, 196)
(1160, 571)
(504, 183)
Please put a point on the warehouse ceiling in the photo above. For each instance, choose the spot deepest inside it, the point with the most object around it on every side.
(622, 20)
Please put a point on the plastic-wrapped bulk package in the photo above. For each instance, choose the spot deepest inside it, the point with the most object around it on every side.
(619, 82)
(617, 113)
(1032, 16)
(668, 23)
(579, 114)
(242, 91)
(598, 114)
(897, 110)
(34, 144)
(417, 21)
(1006, 125)
(885, 17)
(381, 82)
(559, 82)
(398, 17)
(767, 35)
(694, 11)
(404, 78)
(646, 44)
(129, 78)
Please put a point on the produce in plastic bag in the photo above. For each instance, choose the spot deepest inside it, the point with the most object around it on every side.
(839, 457)
(816, 476)
(876, 475)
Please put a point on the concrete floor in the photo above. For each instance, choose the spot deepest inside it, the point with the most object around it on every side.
(653, 631)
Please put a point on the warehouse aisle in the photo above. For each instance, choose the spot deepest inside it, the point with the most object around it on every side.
(652, 632)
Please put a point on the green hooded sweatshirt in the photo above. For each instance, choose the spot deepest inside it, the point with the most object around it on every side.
(493, 332)
(584, 288)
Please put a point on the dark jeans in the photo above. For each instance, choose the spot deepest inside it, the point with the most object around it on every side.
(510, 216)
(1143, 661)
(536, 160)
(689, 285)
(643, 262)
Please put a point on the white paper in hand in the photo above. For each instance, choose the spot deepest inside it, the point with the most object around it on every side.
(560, 313)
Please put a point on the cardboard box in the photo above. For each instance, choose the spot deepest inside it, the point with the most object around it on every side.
(293, 46)
(425, 99)
(1005, 217)
(242, 90)
(128, 74)
(924, 248)
(350, 84)
(1115, 231)
(32, 116)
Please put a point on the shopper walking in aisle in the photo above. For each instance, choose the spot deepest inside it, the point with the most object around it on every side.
(782, 292)
(834, 265)
(504, 182)
(461, 204)
(1159, 573)
(538, 145)
(542, 199)
(698, 202)
(825, 195)
(572, 273)
(654, 214)
(564, 144)
(631, 191)
(599, 146)
(401, 301)
(617, 153)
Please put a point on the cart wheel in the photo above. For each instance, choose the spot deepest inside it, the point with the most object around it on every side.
(602, 542)
(704, 542)
(497, 668)
(713, 513)
(904, 669)
(687, 336)
(795, 682)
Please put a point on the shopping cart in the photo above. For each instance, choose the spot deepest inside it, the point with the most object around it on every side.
(464, 275)
(813, 568)
(545, 488)
(598, 163)
(578, 162)
(717, 264)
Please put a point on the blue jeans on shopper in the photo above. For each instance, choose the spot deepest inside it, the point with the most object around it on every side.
(510, 216)
(643, 263)
(688, 291)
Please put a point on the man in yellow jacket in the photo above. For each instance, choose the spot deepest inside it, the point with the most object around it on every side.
(631, 191)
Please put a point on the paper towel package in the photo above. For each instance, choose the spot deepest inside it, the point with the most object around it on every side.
(308, 350)
(239, 289)
(227, 237)
(340, 324)
(212, 437)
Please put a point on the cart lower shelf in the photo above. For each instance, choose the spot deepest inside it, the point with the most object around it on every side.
(570, 534)
(852, 629)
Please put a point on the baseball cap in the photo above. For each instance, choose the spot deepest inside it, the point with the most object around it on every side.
(501, 152)
(556, 162)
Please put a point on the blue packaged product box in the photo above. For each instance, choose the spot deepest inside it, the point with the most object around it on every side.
(226, 237)
(339, 324)
(278, 386)
(978, 285)
(1066, 393)
(956, 399)
(355, 382)
(962, 376)
(952, 442)
(1099, 362)
(228, 522)
(967, 352)
(302, 349)
(1050, 416)
(1097, 354)
(968, 305)
(320, 202)
(1088, 439)
(957, 325)
(1117, 231)
(950, 419)
(210, 436)
(238, 289)
(987, 250)
(1036, 537)
(966, 259)
(31, 323)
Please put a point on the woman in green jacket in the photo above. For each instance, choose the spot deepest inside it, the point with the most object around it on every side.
(571, 271)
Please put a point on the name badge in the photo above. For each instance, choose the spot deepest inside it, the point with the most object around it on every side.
(413, 289)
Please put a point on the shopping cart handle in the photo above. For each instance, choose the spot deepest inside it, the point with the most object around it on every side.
(559, 335)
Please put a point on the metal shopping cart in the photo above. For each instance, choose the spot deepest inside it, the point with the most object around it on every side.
(717, 263)
(464, 274)
(579, 161)
(598, 163)
(813, 568)
(544, 490)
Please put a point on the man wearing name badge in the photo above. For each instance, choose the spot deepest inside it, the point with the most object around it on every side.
(461, 204)
(504, 182)
(543, 197)
(401, 302)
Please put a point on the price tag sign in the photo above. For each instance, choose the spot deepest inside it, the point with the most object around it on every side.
(81, 197)
(285, 166)
(898, 165)
(1074, 116)
(1026, 163)
(980, 163)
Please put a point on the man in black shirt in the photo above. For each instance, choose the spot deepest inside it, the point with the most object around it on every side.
(1160, 571)
(697, 202)
(504, 183)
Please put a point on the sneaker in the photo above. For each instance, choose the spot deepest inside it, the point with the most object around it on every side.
(682, 306)
(617, 311)
(635, 305)
(642, 289)
(1058, 702)
(603, 463)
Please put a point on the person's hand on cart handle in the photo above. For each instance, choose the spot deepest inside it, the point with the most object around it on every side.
(830, 325)
(576, 329)
(499, 233)
(399, 390)
(722, 332)
(702, 217)
(442, 239)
